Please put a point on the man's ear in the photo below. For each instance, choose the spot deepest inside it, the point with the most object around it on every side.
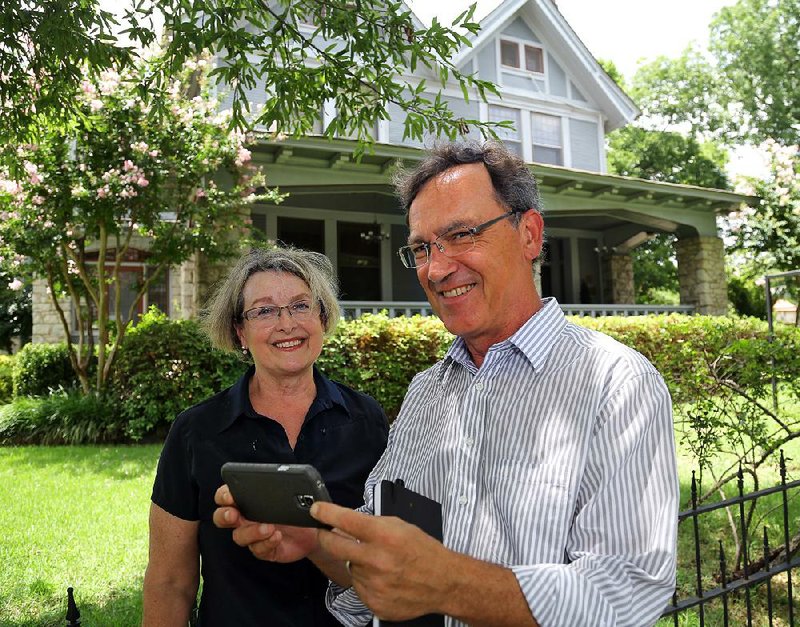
(532, 232)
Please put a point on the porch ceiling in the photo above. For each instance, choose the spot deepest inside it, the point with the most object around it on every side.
(316, 170)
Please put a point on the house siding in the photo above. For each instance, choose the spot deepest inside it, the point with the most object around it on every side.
(519, 29)
(557, 76)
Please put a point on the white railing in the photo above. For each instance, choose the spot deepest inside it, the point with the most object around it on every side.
(355, 308)
(625, 310)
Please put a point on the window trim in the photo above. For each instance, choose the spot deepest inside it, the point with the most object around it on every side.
(522, 68)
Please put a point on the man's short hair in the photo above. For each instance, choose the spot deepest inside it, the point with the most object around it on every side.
(514, 184)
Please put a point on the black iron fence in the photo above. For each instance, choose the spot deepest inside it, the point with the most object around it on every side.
(755, 573)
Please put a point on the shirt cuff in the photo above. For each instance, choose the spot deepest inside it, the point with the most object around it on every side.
(346, 606)
(560, 597)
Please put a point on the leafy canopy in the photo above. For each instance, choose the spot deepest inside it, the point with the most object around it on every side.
(306, 54)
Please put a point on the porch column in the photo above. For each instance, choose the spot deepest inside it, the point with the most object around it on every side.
(701, 274)
(618, 279)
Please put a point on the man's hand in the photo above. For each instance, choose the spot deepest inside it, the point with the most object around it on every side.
(398, 571)
(273, 543)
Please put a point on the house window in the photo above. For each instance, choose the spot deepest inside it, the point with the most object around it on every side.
(131, 278)
(548, 143)
(359, 255)
(302, 233)
(521, 56)
(512, 138)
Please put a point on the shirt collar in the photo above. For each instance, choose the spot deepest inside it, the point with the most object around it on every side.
(534, 339)
(328, 394)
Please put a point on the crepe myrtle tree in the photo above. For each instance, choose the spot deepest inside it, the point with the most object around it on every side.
(119, 179)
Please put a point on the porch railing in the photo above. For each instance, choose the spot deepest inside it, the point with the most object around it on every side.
(355, 308)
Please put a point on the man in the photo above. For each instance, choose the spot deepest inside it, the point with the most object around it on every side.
(549, 446)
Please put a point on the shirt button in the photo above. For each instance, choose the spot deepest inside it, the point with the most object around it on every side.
(462, 500)
(479, 386)
(469, 442)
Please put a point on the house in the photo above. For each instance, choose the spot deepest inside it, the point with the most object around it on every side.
(562, 104)
(784, 311)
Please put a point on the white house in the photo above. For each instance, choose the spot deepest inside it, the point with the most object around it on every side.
(562, 104)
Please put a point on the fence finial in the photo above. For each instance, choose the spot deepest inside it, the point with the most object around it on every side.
(73, 615)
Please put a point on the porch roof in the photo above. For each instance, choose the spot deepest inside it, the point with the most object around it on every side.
(599, 201)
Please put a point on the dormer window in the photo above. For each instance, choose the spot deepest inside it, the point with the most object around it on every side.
(521, 56)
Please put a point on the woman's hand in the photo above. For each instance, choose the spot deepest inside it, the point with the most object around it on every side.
(272, 543)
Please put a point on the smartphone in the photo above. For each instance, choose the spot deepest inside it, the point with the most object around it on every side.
(280, 494)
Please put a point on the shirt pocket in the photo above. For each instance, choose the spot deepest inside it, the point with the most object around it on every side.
(531, 508)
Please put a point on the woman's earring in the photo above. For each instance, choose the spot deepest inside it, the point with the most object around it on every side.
(245, 352)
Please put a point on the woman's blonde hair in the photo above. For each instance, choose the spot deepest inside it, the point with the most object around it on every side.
(226, 306)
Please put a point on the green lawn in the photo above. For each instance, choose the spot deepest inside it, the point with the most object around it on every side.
(77, 516)
(74, 516)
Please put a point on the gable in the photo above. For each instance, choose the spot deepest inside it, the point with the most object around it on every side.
(572, 73)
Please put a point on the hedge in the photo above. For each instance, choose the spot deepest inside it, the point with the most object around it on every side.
(6, 378)
(379, 355)
(167, 365)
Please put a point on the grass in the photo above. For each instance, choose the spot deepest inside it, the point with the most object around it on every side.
(74, 516)
(77, 516)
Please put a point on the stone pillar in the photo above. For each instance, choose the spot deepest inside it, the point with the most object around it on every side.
(47, 327)
(701, 274)
(185, 299)
(618, 279)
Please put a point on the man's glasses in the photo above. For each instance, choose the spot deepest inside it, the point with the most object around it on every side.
(300, 310)
(451, 244)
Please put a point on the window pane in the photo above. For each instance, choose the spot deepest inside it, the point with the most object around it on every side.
(302, 233)
(509, 53)
(158, 292)
(130, 280)
(534, 59)
(545, 154)
(359, 248)
(500, 114)
(546, 129)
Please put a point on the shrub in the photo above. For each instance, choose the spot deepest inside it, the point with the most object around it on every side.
(63, 417)
(6, 378)
(165, 366)
(379, 355)
(681, 347)
(41, 368)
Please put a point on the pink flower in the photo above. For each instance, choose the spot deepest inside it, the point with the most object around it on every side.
(128, 165)
(142, 182)
(102, 192)
(96, 104)
(243, 156)
(15, 285)
(37, 200)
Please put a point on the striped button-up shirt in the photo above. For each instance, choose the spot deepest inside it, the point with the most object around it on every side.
(555, 459)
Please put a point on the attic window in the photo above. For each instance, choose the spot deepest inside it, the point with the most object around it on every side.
(521, 56)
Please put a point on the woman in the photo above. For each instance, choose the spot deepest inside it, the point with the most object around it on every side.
(276, 306)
